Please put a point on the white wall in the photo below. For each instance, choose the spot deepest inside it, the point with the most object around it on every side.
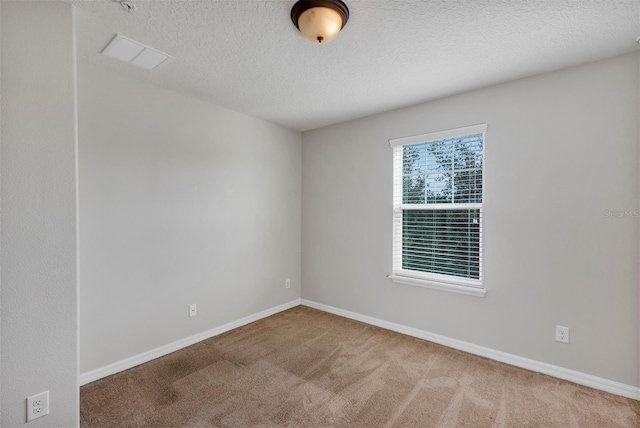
(181, 202)
(561, 149)
(38, 312)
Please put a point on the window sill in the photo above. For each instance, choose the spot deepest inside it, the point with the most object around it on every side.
(452, 288)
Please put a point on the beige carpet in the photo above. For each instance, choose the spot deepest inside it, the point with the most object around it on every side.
(307, 368)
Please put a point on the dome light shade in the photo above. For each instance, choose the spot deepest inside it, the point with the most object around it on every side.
(319, 21)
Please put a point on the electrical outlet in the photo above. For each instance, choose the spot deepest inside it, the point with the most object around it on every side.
(562, 334)
(37, 406)
(192, 310)
(287, 283)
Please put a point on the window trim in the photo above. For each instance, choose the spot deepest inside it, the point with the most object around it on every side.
(436, 285)
(436, 281)
(439, 135)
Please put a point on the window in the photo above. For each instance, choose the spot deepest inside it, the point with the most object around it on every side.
(437, 209)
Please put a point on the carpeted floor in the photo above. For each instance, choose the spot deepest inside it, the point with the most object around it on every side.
(307, 368)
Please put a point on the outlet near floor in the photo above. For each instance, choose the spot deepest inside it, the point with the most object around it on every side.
(37, 406)
(193, 310)
(287, 283)
(562, 334)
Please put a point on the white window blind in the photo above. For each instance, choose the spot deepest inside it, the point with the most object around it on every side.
(437, 205)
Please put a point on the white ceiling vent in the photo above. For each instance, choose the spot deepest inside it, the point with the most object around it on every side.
(135, 53)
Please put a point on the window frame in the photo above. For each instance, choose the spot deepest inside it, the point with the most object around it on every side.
(461, 285)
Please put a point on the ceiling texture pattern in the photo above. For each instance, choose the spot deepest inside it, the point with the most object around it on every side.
(246, 55)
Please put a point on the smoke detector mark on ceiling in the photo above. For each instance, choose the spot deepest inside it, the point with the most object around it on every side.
(135, 53)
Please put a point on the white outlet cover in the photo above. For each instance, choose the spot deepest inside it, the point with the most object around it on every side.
(192, 310)
(37, 406)
(562, 334)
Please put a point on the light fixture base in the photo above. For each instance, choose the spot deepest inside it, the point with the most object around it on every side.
(336, 6)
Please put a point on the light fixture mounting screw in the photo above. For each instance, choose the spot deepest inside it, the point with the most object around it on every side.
(128, 6)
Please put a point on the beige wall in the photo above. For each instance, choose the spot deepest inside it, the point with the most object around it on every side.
(38, 312)
(181, 202)
(561, 152)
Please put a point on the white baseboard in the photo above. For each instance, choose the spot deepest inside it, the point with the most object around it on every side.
(514, 360)
(504, 357)
(135, 360)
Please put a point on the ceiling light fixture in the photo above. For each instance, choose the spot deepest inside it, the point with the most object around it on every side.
(320, 21)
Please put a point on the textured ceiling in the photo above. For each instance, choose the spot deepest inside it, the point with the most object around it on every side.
(246, 55)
